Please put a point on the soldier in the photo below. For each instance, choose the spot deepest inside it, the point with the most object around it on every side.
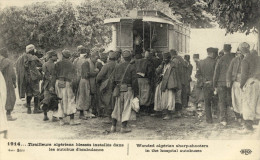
(220, 84)
(104, 80)
(168, 86)
(181, 95)
(102, 60)
(48, 69)
(188, 74)
(125, 88)
(3, 96)
(233, 82)
(144, 73)
(250, 84)
(29, 78)
(83, 55)
(6, 67)
(65, 74)
(205, 75)
(86, 99)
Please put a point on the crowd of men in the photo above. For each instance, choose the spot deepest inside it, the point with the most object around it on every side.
(118, 84)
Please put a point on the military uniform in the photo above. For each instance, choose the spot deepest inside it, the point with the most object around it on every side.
(125, 81)
(29, 77)
(205, 75)
(219, 82)
(65, 74)
(104, 75)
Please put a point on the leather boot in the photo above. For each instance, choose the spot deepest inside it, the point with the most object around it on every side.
(36, 106)
(29, 111)
(28, 104)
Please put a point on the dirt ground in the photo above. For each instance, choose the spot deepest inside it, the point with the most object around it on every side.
(32, 126)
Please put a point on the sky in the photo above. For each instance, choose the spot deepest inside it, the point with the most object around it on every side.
(4, 3)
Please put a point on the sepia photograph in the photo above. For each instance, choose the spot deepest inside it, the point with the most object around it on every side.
(130, 79)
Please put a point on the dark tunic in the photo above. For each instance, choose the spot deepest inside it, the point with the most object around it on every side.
(65, 70)
(48, 69)
(221, 70)
(104, 74)
(206, 69)
(130, 76)
(28, 75)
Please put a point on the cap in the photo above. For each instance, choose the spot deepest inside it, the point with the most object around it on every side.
(215, 50)
(94, 53)
(211, 50)
(66, 53)
(196, 55)
(82, 50)
(187, 57)
(103, 55)
(126, 53)
(173, 52)
(167, 55)
(244, 47)
(51, 53)
(112, 54)
(29, 48)
(227, 47)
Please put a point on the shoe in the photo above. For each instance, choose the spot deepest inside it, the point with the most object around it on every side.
(223, 123)
(10, 118)
(125, 130)
(215, 116)
(90, 115)
(62, 123)
(167, 117)
(45, 118)
(83, 118)
(29, 111)
(209, 121)
(73, 123)
(108, 121)
(177, 115)
(37, 111)
(113, 129)
(245, 131)
(54, 119)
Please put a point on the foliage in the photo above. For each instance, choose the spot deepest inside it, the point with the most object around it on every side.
(193, 12)
(236, 15)
(52, 25)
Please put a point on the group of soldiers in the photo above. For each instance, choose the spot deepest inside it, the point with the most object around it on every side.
(118, 84)
(234, 79)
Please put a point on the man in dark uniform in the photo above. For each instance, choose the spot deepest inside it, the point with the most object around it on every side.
(144, 71)
(220, 84)
(181, 97)
(48, 69)
(104, 81)
(188, 75)
(125, 78)
(29, 77)
(205, 75)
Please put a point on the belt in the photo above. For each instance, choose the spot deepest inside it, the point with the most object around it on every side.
(64, 79)
(128, 85)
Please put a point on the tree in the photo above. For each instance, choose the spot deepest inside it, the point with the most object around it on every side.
(237, 15)
(193, 12)
(91, 15)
